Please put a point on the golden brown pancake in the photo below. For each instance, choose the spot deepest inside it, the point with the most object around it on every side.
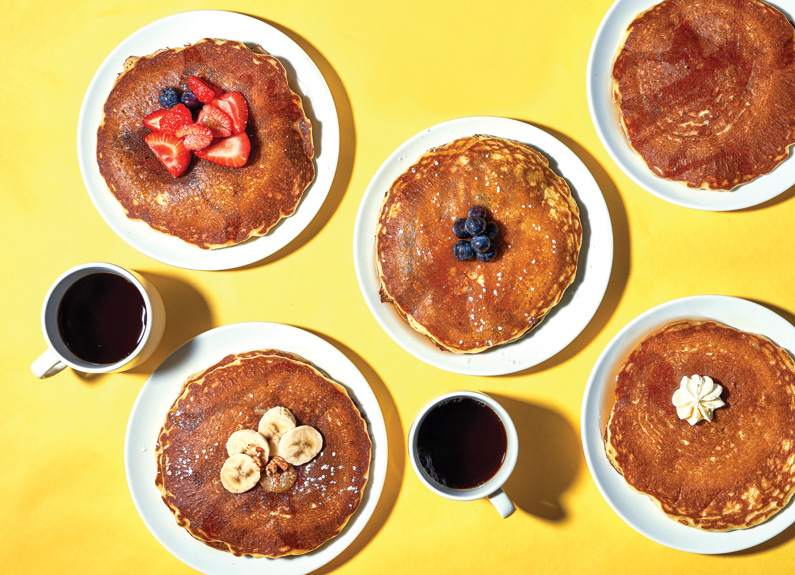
(471, 306)
(731, 473)
(233, 394)
(705, 90)
(209, 205)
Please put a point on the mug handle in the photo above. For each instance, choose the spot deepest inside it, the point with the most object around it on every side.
(47, 364)
(501, 503)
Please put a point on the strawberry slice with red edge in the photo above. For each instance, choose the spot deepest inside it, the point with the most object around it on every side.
(195, 136)
(218, 121)
(152, 121)
(234, 105)
(232, 151)
(171, 152)
(204, 91)
(175, 118)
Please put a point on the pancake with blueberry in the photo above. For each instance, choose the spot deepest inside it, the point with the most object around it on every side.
(705, 90)
(215, 176)
(476, 242)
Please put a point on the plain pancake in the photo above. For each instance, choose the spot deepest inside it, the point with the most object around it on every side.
(209, 205)
(705, 90)
(233, 394)
(471, 306)
(731, 473)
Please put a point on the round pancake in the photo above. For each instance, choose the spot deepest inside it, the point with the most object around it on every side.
(705, 90)
(731, 473)
(233, 394)
(469, 306)
(209, 205)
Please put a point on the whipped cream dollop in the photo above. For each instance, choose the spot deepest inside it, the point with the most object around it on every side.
(697, 397)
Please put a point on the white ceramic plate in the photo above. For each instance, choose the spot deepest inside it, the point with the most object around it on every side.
(162, 388)
(633, 507)
(605, 119)
(579, 303)
(304, 78)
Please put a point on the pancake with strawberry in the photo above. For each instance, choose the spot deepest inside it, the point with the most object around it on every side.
(206, 143)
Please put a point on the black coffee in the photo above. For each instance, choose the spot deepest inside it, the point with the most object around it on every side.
(461, 443)
(101, 318)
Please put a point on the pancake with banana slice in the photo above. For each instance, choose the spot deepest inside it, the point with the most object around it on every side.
(469, 306)
(199, 473)
(210, 205)
(732, 472)
(705, 90)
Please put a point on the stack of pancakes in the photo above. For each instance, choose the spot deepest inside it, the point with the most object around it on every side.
(471, 306)
(210, 205)
(729, 473)
(231, 395)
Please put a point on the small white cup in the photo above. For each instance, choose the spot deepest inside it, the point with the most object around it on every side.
(492, 489)
(58, 356)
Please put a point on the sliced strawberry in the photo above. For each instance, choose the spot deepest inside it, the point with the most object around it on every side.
(203, 90)
(235, 106)
(174, 118)
(171, 152)
(214, 118)
(152, 121)
(232, 151)
(196, 136)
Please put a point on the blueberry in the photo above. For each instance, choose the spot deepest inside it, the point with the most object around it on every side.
(475, 225)
(489, 255)
(190, 100)
(463, 251)
(481, 244)
(168, 97)
(459, 228)
(491, 230)
(477, 212)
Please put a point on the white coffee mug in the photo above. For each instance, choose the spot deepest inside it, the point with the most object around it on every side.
(58, 356)
(492, 489)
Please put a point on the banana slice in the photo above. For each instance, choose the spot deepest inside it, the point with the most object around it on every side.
(300, 445)
(240, 473)
(249, 442)
(274, 423)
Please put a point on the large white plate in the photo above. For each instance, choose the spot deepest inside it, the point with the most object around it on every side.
(633, 507)
(304, 78)
(579, 303)
(162, 388)
(605, 119)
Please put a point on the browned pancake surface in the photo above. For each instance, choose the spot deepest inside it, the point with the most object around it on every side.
(232, 395)
(733, 472)
(471, 306)
(706, 90)
(209, 205)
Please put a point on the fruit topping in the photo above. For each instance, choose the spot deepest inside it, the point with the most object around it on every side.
(218, 121)
(477, 212)
(481, 244)
(300, 445)
(492, 230)
(203, 90)
(475, 225)
(168, 97)
(171, 152)
(231, 152)
(152, 121)
(249, 442)
(196, 136)
(235, 106)
(459, 228)
(274, 423)
(487, 256)
(463, 251)
(240, 473)
(175, 118)
(190, 100)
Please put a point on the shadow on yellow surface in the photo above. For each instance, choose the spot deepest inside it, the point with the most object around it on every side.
(549, 459)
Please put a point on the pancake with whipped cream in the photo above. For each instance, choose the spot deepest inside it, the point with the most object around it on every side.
(704, 424)
(705, 90)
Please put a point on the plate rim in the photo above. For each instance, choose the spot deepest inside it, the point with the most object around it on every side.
(732, 311)
(504, 359)
(171, 250)
(160, 521)
(762, 189)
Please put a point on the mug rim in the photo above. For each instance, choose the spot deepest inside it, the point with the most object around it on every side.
(494, 484)
(73, 360)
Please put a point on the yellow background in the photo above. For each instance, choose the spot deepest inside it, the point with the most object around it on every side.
(394, 68)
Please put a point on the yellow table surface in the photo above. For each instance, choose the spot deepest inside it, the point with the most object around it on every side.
(394, 68)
